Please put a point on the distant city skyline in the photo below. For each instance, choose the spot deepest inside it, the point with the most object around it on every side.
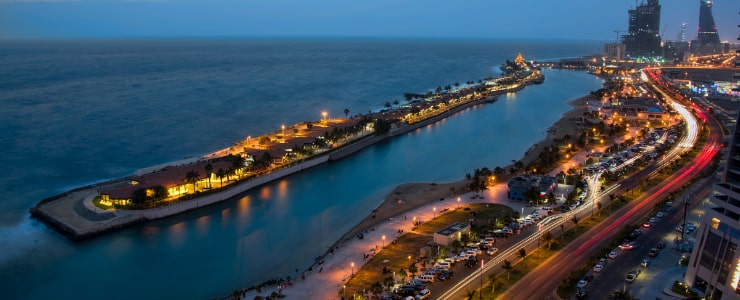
(526, 19)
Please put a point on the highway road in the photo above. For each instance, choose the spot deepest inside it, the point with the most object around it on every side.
(548, 276)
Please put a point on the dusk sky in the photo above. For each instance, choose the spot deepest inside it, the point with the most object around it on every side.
(538, 19)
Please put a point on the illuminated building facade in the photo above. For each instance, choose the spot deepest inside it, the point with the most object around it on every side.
(707, 29)
(714, 266)
(643, 38)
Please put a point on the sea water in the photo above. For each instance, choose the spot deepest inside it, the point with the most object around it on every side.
(75, 112)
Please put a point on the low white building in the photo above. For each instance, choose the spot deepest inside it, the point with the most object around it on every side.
(451, 233)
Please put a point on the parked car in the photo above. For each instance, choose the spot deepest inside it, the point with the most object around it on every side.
(492, 251)
(645, 262)
(470, 263)
(660, 245)
(646, 225)
(423, 294)
(612, 255)
(598, 267)
(632, 275)
(581, 284)
(659, 214)
(653, 252)
(445, 275)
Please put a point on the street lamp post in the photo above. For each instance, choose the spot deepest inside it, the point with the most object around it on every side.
(283, 127)
(352, 264)
(409, 261)
(434, 212)
(323, 115)
(344, 290)
(481, 280)
(384, 241)
(458, 202)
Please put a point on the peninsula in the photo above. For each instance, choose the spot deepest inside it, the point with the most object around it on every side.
(164, 190)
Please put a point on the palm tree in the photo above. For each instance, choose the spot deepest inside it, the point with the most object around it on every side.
(209, 170)
(221, 174)
(192, 177)
(470, 294)
(507, 266)
(562, 231)
(574, 219)
(346, 112)
(523, 255)
(548, 239)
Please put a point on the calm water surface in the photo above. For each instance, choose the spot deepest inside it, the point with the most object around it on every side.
(74, 114)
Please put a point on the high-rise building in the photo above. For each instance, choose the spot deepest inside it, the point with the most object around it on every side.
(714, 266)
(682, 34)
(614, 52)
(707, 29)
(643, 37)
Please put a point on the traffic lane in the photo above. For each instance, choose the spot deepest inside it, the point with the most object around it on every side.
(663, 230)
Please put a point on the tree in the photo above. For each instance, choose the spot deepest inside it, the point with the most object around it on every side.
(598, 206)
(389, 281)
(574, 219)
(346, 112)
(456, 245)
(387, 105)
(395, 102)
(221, 174)
(562, 231)
(523, 254)
(507, 266)
(470, 294)
(376, 288)
(192, 177)
(209, 170)
(548, 239)
(402, 274)
(413, 269)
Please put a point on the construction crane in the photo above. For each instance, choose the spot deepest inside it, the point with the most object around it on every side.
(617, 32)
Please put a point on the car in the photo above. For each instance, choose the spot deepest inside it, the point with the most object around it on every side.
(582, 293)
(652, 220)
(598, 268)
(492, 251)
(445, 275)
(666, 209)
(470, 263)
(645, 262)
(603, 261)
(628, 246)
(632, 275)
(612, 255)
(646, 224)
(653, 252)
(581, 283)
(423, 294)
(659, 214)
(660, 245)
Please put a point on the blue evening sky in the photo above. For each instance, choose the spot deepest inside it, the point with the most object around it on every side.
(540, 19)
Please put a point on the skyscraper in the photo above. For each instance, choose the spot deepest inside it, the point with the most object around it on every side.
(643, 37)
(714, 267)
(707, 29)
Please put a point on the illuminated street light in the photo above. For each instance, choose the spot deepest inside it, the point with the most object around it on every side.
(458, 202)
(384, 241)
(434, 212)
(283, 127)
(409, 261)
(323, 115)
(353, 268)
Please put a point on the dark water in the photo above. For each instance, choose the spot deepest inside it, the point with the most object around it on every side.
(76, 112)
